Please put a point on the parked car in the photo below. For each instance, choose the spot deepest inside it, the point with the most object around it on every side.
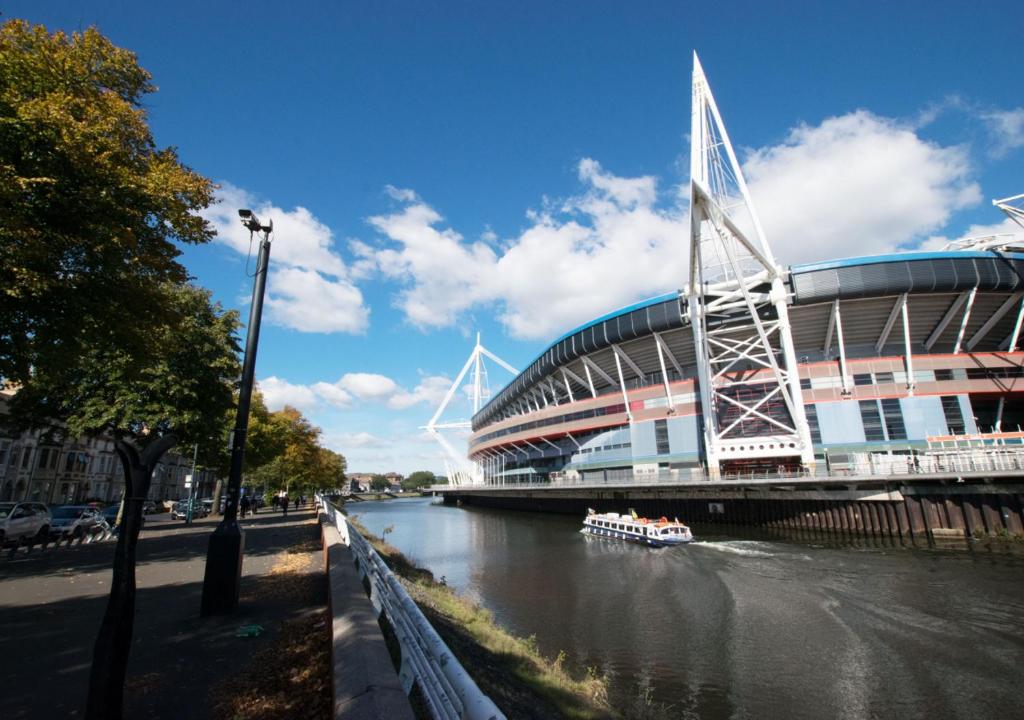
(148, 507)
(74, 520)
(180, 510)
(22, 520)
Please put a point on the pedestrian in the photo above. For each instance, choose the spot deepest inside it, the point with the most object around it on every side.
(296, 502)
(245, 504)
(284, 503)
(255, 504)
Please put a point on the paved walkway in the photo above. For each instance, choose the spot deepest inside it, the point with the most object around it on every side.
(51, 604)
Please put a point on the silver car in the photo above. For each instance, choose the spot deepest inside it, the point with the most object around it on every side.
(74, 520)
(23, 520)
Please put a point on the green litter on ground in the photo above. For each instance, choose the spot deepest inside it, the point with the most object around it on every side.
(249, 631)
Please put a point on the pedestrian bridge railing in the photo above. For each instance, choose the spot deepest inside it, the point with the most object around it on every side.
(447, 689)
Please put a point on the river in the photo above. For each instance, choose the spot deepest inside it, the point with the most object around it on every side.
(739, 625)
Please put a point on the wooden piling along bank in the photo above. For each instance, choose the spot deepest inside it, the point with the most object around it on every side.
(934, 515)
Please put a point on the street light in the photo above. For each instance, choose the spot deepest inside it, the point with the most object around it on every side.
(223, 577)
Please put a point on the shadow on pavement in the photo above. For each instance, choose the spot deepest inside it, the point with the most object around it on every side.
(49, 622)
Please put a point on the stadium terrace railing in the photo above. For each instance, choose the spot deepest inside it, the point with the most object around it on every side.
(447, 688)
(938, 462)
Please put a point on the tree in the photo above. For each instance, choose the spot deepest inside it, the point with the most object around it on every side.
(379, 483)
(290, 456)
(99, 330)
(418, 479)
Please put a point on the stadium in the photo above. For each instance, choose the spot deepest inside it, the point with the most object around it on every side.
(883, 365)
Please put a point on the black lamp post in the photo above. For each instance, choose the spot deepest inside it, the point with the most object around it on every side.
(224, 557)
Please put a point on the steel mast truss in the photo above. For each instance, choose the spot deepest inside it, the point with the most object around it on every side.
(750, 394)
(460, 471)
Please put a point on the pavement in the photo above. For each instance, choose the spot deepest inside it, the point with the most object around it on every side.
(52, 602)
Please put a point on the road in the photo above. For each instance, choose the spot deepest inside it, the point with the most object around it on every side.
(52, 602)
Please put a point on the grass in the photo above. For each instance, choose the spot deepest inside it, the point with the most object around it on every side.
(508, 668)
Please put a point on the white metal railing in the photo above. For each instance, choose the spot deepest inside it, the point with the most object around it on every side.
(937, 461)
(447, 688)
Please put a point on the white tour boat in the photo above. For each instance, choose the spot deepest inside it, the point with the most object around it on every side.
(656, 533)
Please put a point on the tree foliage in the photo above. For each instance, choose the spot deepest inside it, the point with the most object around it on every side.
(419, 479)
(289, 455)
(94, 299)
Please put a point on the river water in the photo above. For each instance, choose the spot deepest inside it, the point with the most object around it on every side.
(739, 625)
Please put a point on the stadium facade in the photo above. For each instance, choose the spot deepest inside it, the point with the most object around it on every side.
(869, 364)
(896, 354)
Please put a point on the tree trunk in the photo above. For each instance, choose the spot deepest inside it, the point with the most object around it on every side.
(114, 641)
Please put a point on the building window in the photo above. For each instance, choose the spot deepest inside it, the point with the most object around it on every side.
(805, 383)
(954, 416)
(25, 457)
(862, 379)
(943, 375)
(872, 421)
(44, 458)
(811, 411)
(894, 419)
(883, 377)
(661, 436)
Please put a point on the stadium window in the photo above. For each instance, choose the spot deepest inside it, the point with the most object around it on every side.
(943, 375)
(976, 373)
(894, 419)
(661, 436)
(805, 383)
(883, 377)
(811, 411)
(872, 421)
(954, 416)
(862, 379)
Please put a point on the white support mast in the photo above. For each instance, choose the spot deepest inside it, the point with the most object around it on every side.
(462, 471)
(750, 392)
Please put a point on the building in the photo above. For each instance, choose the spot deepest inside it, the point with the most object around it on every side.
(860, 364)
(45, 466)
(619, 396)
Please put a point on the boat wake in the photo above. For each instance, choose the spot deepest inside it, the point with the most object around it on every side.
(747, 548)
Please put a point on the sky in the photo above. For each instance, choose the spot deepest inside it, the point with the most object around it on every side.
(438, 169)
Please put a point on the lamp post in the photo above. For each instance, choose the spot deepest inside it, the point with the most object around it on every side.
(224, 556)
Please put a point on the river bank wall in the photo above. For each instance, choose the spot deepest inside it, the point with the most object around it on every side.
(928, 514)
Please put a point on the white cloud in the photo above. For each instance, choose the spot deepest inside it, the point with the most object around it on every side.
(598, 250)
(343, 442)
(308, 301)
(368, 387)
(1006, 128)
(855, 185)
(431, 391)
(278, 392)
(310, 286)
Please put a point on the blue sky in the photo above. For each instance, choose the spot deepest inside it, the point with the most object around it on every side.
(434, 169)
